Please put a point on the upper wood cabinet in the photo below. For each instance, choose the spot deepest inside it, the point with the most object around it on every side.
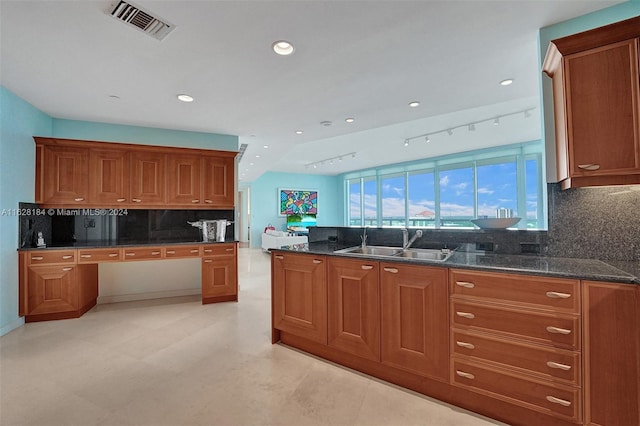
(597, 105)
(62, 175)
(74, 173)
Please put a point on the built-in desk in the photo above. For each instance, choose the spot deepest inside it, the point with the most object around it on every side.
(61, 283)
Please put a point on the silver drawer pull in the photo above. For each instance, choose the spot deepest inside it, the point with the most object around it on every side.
(113, 254)
(67, 269)
(229, 249)
(465, 284)
(465, 375)
(558, 330)
(129, 254)
(590, 167)
(79, 199)
(367, 267)
(37, 258)
(316, 261)
(208, 260)
(136, 200)
(85, 256)
(171, 252)
(155, 253)
(465, 315)
(279, 257)
(68, 256)
(555, 400)
(558, 365)
(121, 200)
(558, 295)
(392, 270)
(465, 345)
(208, 250)
(195, 201)
(194, 251)
(208, 201)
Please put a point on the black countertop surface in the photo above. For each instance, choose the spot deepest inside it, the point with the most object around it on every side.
(122, 243)
(584, 269)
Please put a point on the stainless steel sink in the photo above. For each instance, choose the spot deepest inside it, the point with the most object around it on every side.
(372, 250)
(412, 253)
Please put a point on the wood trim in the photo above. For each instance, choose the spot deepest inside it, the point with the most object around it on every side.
(608, 34)
(216, 299)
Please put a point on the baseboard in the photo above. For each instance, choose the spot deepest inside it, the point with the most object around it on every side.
(11, 326)
(149, 295)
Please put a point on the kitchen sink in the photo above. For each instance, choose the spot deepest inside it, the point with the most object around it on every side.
(412, 253)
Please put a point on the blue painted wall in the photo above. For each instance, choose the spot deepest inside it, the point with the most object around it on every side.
(264, 200)
(19, 121)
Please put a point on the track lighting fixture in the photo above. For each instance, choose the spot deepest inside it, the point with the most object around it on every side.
(331, 160)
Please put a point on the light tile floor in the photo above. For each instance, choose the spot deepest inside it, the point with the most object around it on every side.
(177, 362)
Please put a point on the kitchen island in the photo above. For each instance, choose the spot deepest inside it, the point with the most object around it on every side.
(524, 339)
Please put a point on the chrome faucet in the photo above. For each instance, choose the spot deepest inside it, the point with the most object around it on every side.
(363, 237)
(405, 235)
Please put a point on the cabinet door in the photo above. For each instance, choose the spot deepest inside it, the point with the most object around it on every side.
(147, 178)
(611, 353)
(51, 289)
(300, 295)
(183, 182)
(219, 277)
(415, 325)
(353, 307)
(109, 177)
(65, 175)
(218, 181)
(603, 121)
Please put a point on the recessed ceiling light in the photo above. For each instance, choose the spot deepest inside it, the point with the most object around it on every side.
(299, 132)
(257, 156)
(506, 82)
(349, 120)
(265, 146)
(114, 96)
(282, 47)
(414, 104)
(185, 98)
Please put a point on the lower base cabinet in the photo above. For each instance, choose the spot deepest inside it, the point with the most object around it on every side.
(219, 274)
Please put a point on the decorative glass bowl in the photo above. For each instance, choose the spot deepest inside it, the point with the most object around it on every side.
(496, 223)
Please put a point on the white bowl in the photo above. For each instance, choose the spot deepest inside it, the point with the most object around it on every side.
(496, 223)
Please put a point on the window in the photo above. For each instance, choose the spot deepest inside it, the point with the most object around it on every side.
(450, 191)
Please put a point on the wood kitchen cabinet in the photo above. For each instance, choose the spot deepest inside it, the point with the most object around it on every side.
(148, 178)
(219, 273)
(184, 179)
(109, 182)
(597, 105)
(611, 353)
(53, 286)
(62, 174)
(299, 295)
(518, 338)
(353, 307)
(414, 330)
(218, 177)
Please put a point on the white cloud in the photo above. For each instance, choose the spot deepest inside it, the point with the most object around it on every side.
(444, 181)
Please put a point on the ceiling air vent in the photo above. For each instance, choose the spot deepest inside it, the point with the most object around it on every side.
(142, 20)
(243, 148)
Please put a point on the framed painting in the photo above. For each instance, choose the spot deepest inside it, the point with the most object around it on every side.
(297, 201)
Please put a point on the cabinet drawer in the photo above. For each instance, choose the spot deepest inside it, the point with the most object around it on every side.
(42, 257)
(554, 399)
(218, 249)
(99, 255)
(547, 363)
(543, 292)
(181, 251)
(143, 253)
(560, 330)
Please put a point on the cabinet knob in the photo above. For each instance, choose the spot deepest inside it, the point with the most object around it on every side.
(208, 250)
(558, 295)
(195, 201)
(136, 200)
(155, 253)
(208, 201)
(194, 251)
(129, 254)
(558, 330)
(465, 374)
(68, 256)
(465, 314)
(559, 366)
(171, 252)
(79, 199)
(67, 269)
(392, 270)
(465, 345)
(316, 261)
(279, 257)
(465, 284)
(113, 254)
(85, 256)
(229, 249)
(121, 200)
(555, 400)
(590, 167)
(367, 267)
(208, 261)
(37, 258)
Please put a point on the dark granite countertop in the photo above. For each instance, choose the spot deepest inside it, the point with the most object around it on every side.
(128, 243)
(584, 269)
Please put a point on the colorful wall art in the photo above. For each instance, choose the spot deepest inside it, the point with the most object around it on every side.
(298, 201)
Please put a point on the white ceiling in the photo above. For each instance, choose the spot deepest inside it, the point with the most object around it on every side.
(361, 59)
